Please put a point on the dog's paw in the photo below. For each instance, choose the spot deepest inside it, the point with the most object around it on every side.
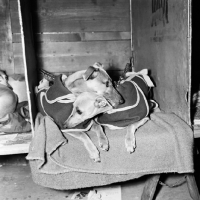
(104, 146)
(130, 149)
(97, 159)
(95, 156)
(130, 146)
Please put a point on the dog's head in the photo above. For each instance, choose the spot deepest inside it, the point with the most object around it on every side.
(99, 81)
(4, 79)
(86, 106)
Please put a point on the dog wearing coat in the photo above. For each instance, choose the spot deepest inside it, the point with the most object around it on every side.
(64, 108)
(93, 79)
(88, 105)
(135, 110)
(130, 115)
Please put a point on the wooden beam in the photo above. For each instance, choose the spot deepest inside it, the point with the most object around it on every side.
(192, 187)
(74, 56)
(77, 37)
(76, 16)
(150, 187)
(14, 143)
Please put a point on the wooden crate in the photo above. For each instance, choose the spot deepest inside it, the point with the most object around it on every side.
(64, 36)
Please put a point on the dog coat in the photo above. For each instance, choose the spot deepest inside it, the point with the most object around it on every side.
(134, 90)
(57, 103)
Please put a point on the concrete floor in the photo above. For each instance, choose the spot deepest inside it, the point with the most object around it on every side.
(16, 184)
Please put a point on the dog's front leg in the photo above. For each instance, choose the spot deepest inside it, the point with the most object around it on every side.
(130, 141)
(89, 145)
(103, 140)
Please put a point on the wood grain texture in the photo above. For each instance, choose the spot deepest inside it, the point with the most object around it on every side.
(78, 48)
(150, 187)
(6, 53)
(77, 37)
(77, 16)
(192, 187)
(71, 35)
(163, 48)
(15, 143)
(73, 56)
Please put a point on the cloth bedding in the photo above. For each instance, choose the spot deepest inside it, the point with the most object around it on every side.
(57, 160)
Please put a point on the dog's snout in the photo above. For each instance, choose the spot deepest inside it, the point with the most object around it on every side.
(116, 103)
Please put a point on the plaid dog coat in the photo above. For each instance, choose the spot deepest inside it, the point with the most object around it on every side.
(134, 90)
(57, 103)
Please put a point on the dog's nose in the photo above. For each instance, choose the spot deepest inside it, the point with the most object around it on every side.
(121, 101)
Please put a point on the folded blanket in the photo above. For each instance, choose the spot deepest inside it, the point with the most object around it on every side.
(164, 144)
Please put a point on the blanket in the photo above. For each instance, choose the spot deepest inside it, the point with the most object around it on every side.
(164, 144)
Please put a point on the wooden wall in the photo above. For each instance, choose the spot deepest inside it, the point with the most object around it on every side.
(162, 44)
(6, 51)
(71, 35)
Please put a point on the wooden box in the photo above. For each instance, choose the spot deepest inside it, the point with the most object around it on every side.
(64, 36)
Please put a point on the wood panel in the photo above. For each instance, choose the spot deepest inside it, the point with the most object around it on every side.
(61, 24)
(76, 16)
(77, 37)
(76, 34)
(73, 56)
(162, 44)
(6, 53)
(77, 48)
(15, 143)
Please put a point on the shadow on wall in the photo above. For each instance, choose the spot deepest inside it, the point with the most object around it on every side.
(195, 48)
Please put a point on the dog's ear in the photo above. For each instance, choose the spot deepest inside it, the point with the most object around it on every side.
(90, 73)
(98, 65)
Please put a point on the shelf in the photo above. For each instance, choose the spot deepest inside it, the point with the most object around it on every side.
(16, 143)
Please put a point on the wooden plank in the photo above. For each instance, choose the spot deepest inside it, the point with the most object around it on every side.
(57, 57)
(78, 48)
(77, 8)
(75, 63)
(7, 62)
(19, 69)
(150, 187)
(63, 24)
(3, 33)
(192, 187)
(77, 16)
(7, 58)
(77, 37)
(14, 143)
(161, 41)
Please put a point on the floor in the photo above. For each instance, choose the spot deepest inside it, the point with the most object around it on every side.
(16, 184)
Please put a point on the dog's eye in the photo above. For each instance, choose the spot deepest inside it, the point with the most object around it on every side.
(78, 111)
(107, 83)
